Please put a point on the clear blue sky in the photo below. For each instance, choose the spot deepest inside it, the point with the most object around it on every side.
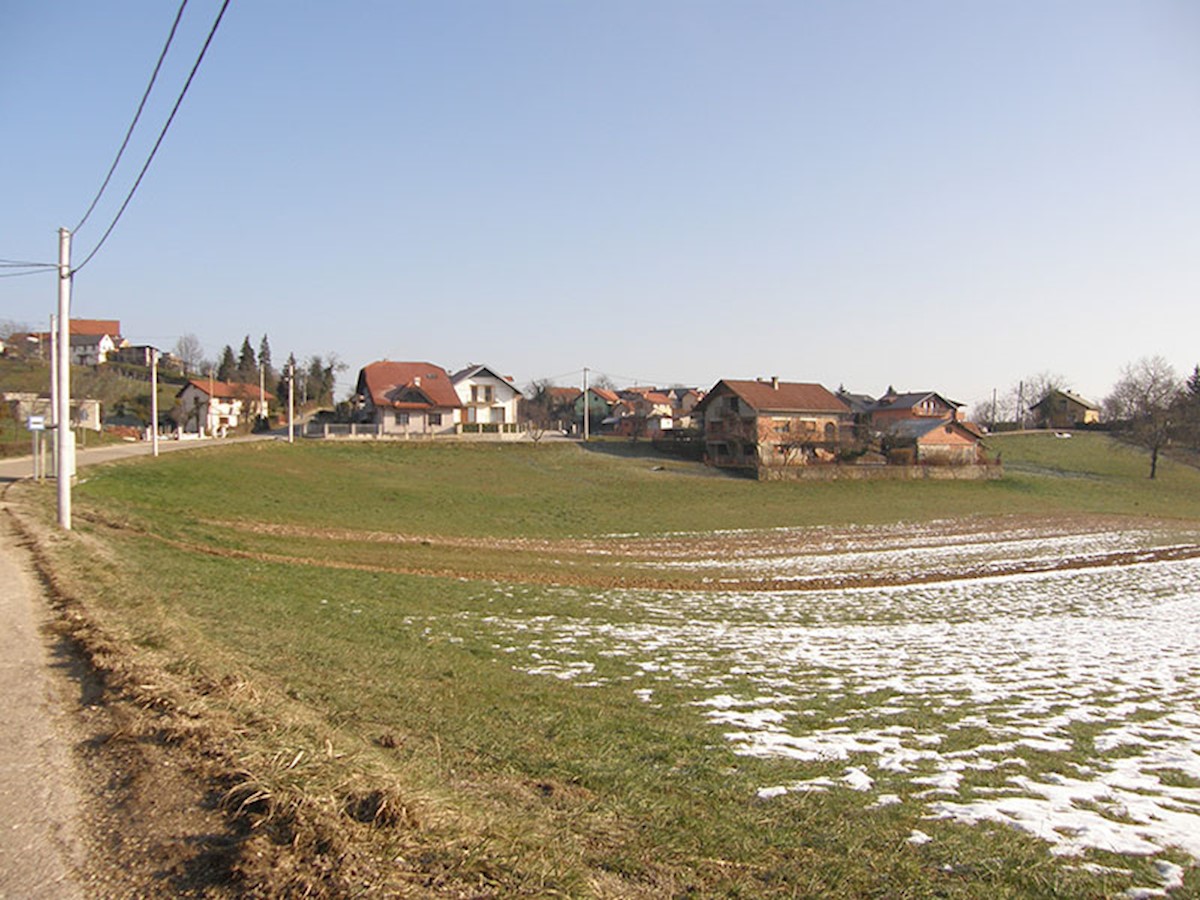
(937, 195)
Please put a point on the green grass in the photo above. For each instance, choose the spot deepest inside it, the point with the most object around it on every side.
(563, 490)
(531, 785)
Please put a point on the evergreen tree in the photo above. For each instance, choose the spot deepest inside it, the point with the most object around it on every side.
(227, 367)
(281, 386)
(264, 361)
(247, 368)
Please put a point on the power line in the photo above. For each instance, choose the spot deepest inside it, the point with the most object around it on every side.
(43, 271)
(136, 116)
(20, 264)
(162, 134)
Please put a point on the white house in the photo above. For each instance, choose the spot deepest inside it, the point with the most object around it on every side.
(408, 398)
(91, 349)
(217, 406)
(486, 397)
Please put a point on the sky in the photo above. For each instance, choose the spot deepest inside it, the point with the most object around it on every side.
(928, 195)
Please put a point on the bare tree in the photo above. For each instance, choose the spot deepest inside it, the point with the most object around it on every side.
(1143, 405)
(189, 349)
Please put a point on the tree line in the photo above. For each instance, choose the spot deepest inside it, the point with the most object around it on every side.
(314, 377)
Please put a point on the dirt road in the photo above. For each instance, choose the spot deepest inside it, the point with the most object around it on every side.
(40, 851)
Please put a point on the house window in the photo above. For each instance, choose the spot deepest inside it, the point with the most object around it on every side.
(401, 418)
(435, 418)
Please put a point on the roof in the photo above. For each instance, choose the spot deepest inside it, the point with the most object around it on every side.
(111, 327)
(474, 371)
(88, 340)
(604, 394)
(857, 402)
(226, 390)
(918, 428)
(407, 385)
(567, 394)
(911, 399)
(1070, 395)
(778, 396)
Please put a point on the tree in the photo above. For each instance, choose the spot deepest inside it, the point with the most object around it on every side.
(189, 349)
(264, 361)
(1029, 391)
(247, 366)
(1143, 405)
(227, 367)
(281, 386)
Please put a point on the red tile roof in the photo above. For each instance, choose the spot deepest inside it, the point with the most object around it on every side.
(227, 390)
(400, 385)
(781, 396)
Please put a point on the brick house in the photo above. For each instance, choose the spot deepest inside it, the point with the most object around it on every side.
(771, 423)
(922, 406)
(937, 442)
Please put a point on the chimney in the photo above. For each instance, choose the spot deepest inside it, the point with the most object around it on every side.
(417, 381)
(775, 382)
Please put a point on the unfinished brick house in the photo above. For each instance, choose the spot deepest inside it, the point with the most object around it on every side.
(924, 406)
(751, 424)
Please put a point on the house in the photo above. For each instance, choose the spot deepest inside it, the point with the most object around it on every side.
(945, 442)
(771, 423)
(1064, 409)
(143, 355)
(599, 401)
(92, 340)
(925, 406)
(91, 349)
(85, 412)
(215, 407)
(485, 397)
(410, 398)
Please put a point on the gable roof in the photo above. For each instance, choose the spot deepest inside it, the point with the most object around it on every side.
(407, 385)
(919, 428)
(893, 400)
(778, 396)
(474, 371)
(1070, 395)
(604, 394)
(564, 394)
(225, 390)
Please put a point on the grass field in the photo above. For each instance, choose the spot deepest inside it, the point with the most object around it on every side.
(557, 671)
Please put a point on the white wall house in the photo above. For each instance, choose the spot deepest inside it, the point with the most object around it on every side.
(215, 407)
(410, 399)
(91, 349)
(485, 397)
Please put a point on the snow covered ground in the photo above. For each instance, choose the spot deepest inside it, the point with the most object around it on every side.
(1064, 702)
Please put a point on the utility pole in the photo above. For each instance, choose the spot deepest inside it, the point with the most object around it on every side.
(154, 400)
(262, 395)
(291, 402)
(54, 386)
(586, 407)
(65, 463)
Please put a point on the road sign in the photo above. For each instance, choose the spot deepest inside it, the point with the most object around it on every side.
(36, 423)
